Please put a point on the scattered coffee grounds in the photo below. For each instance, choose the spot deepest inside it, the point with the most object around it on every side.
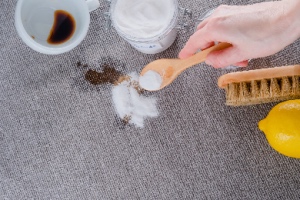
(109, 75)
(121, 79)
(137, 87)
(130, 104)
(78, 64)
(132, 107)
(132, 83)
(126, 119)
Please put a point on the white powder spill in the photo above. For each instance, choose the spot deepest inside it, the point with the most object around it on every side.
(130, 105)
(150, 81)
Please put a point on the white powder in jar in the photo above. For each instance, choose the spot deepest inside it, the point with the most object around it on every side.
(130, 105)
(143, 18)
(150, 81)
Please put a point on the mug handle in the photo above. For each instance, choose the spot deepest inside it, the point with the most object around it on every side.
(92, 4)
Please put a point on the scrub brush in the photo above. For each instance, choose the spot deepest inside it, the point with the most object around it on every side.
(261, 85)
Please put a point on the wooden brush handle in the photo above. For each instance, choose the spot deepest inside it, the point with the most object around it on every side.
(259, 74)
(201, 56)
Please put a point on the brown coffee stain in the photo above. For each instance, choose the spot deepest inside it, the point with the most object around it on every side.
(109, 75)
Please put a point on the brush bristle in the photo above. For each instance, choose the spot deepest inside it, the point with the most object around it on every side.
(263, 91)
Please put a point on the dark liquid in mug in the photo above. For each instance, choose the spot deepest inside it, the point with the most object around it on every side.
(63, 27)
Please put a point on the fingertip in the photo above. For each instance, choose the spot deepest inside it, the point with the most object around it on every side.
(226, 57)
(183, 55)
(213, 64)
(208, 62)
(242, 64)
(212, 60)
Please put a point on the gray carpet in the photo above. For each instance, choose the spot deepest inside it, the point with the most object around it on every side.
(60, 137)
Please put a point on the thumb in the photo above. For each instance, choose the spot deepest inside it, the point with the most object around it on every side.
(224, 58)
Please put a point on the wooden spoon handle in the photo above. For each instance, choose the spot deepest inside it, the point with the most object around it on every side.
(201, 56)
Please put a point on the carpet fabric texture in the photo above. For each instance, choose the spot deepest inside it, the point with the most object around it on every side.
(60, 137)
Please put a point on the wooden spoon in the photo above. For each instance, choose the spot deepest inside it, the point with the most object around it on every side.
(169, 69)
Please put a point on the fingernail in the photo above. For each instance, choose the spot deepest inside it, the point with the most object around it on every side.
(180, 55)
(184, 56)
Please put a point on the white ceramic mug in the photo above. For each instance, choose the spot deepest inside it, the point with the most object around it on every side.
(34, 20)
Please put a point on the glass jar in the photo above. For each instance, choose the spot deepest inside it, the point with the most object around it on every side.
(159, 42)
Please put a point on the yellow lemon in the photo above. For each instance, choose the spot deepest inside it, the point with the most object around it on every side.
(282, 128)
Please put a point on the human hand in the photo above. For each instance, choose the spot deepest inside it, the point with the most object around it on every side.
(255, 31)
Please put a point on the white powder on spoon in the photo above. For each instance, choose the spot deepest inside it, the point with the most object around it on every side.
(151, 80)
(130, 105)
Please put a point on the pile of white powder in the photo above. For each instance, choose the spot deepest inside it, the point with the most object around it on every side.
(131, 106)
(143, 19)
(150, 81)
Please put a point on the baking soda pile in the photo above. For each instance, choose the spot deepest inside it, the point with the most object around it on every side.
(130, 104)
(150, 81)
